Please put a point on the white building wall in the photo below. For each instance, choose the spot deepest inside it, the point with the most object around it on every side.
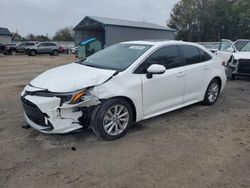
(5, 39)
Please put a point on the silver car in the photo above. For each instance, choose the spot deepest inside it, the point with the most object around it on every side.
(44, 48)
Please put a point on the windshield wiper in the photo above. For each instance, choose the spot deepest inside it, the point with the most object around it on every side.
(81, 61)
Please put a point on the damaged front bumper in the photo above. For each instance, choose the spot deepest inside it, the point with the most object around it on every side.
(48, 115)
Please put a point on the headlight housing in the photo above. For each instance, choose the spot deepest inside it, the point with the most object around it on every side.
(78, 97)
(81, 95)
(69, 98)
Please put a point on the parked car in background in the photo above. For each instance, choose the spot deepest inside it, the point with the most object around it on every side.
(237, 57)
(212, 46)
(19, 48)
(62, 49)
(8, 47)
(2, 47)
(44, 48)
(72, 50)
(122, 84)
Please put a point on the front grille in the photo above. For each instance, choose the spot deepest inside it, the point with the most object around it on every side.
(244, 67)
(35, 114)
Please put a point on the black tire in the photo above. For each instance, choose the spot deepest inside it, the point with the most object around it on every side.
(230, 75)
(13, 52)
(207, 99)
(32, 53)
(233, 77)
(55, 53)
(98, 124)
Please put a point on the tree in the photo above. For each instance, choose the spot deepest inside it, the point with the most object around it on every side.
(17, 37)
(65, 34)
(211, 20)
(41, 38)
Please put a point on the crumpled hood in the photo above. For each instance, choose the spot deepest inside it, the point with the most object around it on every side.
(71, 77)
(241, 55)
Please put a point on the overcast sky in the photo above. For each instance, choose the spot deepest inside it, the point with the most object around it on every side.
(47, 16)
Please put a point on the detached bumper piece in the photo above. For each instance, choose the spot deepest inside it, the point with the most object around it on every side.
(36, 116)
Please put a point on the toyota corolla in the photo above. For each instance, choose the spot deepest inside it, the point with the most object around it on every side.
(122, 84)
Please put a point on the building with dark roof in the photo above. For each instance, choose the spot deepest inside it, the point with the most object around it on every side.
(5, 35)
(111, 31)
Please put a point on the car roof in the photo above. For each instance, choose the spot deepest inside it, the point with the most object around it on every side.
(161, 42)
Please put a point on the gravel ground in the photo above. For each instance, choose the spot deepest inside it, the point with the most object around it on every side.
(197, 146)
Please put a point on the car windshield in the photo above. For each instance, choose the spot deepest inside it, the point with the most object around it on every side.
(246, 48)
(117, 57)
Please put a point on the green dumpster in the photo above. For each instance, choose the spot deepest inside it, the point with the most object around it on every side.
(88, 47)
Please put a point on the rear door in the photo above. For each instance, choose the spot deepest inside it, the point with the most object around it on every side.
(42, 47)
(198, 65)
(50, 47)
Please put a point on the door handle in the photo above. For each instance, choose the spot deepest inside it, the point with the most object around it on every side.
(206, 67)
(180, 74)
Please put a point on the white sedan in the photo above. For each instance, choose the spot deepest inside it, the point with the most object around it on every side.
(122, 84)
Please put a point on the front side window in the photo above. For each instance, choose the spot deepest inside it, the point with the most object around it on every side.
(23, 44)
(117, 57)
(191, 54)
(167, 56)
(42, 44)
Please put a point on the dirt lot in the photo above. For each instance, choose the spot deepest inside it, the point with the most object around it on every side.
(193, 147)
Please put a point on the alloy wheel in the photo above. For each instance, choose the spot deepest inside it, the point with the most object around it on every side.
(213, 92)
(116, 120)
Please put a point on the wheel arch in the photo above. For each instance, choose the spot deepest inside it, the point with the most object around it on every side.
(219, 80)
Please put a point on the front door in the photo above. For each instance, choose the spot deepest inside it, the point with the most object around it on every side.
(226, 50)
(163, 92)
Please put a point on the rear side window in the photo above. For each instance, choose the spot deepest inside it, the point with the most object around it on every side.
(30, 44)
(191, 54)
(50, 44)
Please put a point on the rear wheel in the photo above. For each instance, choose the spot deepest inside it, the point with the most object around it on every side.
(32, 53)
(55, 52)
(113, 119)
(212, 92)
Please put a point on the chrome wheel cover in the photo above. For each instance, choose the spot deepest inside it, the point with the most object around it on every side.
(116, 120)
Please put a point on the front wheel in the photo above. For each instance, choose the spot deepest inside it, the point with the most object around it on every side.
(13, 52)
(113, 119)
(212, 92)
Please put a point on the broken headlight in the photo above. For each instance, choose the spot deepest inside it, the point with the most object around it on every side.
(80, 96)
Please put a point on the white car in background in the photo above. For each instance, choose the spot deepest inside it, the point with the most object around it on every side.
(122, 84)
(236, 56)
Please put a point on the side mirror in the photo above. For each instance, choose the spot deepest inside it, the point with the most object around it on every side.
(155, 69)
